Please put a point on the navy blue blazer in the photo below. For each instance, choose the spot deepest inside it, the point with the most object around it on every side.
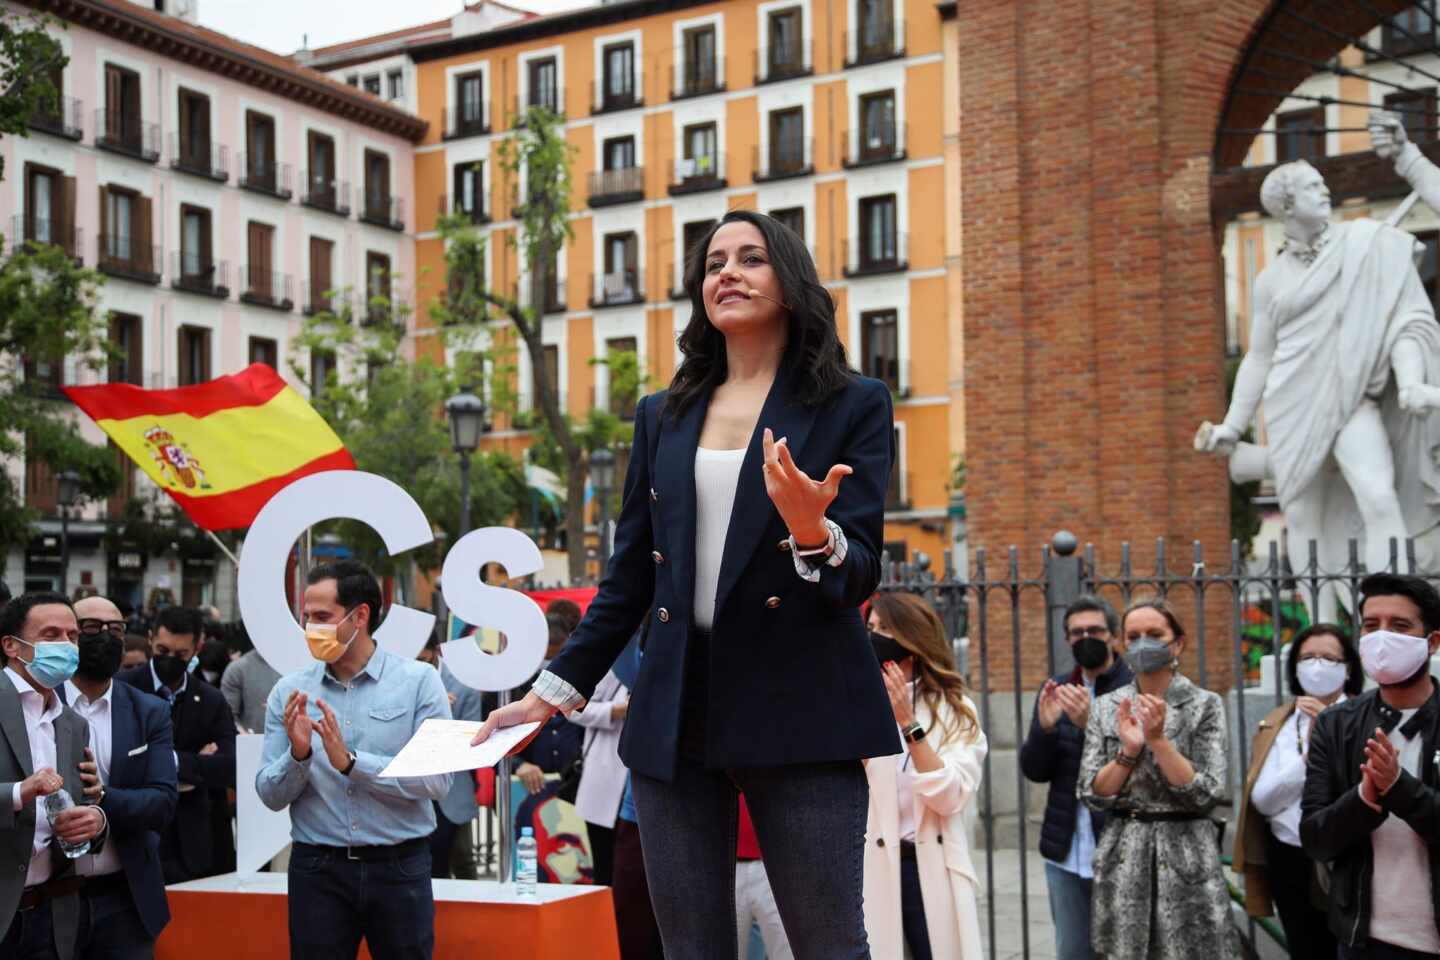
(141, 795)
(792, 675)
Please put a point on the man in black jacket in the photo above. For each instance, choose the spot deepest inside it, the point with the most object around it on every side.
(1051, 754)
(1371, 808)
(204, 741)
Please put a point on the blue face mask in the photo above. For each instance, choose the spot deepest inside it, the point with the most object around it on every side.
(54, 662)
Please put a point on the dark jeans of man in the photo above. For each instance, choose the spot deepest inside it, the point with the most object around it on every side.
(334, 902)
(1070, 913)
(116, 932)
(441, 842)
(804, 814)
(634, 917)
(1292, 877)
(912, 906)
(602, 852)
(1375, 950)
(32, 934)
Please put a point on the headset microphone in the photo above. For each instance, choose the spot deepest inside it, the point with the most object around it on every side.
(756, 293)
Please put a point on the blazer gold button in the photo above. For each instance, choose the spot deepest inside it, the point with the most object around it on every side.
(658, 557)
(773, 602)
(783, 546)
(663, 614)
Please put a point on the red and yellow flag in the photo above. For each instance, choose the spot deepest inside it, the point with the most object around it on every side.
(220, 449)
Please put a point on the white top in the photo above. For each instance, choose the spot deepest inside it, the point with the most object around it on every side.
(1281, 783)
(1402, 913)
(40, 728)
(905, 784)
(717, 475)
(98, 714)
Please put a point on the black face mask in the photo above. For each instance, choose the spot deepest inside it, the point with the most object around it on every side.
(1090, 652)
(887, 648)
(100, 655)
(169, 668)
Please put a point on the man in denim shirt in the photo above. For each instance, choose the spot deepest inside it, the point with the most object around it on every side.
(360, 866)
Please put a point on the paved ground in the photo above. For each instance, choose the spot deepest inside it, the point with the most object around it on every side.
(1010, 931)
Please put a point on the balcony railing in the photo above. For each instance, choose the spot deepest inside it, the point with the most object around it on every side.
(266, 288)
(467, 120)
(555, 301)
(64, 121)
(120, 256)
(190, 273)
(698, 174)
(605, 99)
(383, 210)
(323, 193)
(552, 100)
(881, 40)
(773, 64)
(41, 230)
(202, 158)
(871, 256)
(788, 157)
(119, 133)
(897, 491)
(266, 176)
(609, 187)
(318, 298)
(885, 145)
(477, 210)
(382, 308)
(697, 79)
(618, 289)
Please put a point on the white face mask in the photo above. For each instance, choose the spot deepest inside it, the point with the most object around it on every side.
(1320, 678)
(1391, 658)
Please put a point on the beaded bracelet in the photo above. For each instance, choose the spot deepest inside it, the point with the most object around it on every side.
(1124, 761)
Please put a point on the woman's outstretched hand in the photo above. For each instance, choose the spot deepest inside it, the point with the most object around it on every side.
(529, 709)
(801, 501)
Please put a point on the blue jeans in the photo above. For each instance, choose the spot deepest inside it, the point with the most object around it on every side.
(1070, 912)
(334, 902)
(810, 820)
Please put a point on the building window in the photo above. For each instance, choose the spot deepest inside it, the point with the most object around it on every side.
(787, 141)
(1416, 109)
(43, 204)
(127, 359)
(260, 281)
(1299, 135)
(792, 217)
(620, 405)
(619, 153)
(41, 490)
(622, 271)
(322, 368)
(694, 234)
(701, 66)
(372, 83)
(125, 231)
(544, 84)
(320, 181)
(260, 151)
(701, 156)
(377, 186)
(880, 347)
(266, 351)
(550, 353)
(469, 187)
(877, 231)
(196, 266)
(122, 107)
(470, 103)
(877, 30)
(318, 297)
(1409, 31)
(784, 56)
(619, 76)
(194, 109)
(877, 125)
(193, 354)
(353, 79)
(395, 84)
(377, 286)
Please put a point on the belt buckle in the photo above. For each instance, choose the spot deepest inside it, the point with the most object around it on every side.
(350, 854)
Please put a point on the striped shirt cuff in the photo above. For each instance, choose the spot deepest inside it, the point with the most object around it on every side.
(808, 568)
(556, 692)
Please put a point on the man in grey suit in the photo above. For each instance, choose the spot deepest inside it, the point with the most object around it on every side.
(44, 745)
(452, 845)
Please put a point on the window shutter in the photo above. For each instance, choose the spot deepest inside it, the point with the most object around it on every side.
(142, 252)
(104, 218)
(185, 130)
(67, 215)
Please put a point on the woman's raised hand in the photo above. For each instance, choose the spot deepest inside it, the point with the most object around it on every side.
(801, 501)
(1132, 735)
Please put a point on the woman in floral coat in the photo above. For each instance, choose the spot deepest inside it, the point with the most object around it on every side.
(1155, 759)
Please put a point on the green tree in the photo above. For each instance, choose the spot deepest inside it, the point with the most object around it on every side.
(29, 57)
(47, 313)
(389, 412)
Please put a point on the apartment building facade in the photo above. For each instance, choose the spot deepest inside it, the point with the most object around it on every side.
(224, 192)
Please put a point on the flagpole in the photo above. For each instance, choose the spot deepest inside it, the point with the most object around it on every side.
(223, 549)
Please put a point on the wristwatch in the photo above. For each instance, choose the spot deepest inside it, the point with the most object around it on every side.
(349, 766)
(914, 733)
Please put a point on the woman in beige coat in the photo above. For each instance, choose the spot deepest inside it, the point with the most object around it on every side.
(920, 884)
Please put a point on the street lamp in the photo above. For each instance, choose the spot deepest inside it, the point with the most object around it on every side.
(602, 476)
(467, 421)
(67, 495)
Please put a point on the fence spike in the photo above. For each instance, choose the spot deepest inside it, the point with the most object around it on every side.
(1354, 555)
(1014, 563)
(1274, 567)
(1394, 555)
(1313, 566)
(1409, 555)
(1198, 569)
(1160, 558)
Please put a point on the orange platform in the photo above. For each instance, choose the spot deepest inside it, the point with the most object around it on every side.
(244, 917)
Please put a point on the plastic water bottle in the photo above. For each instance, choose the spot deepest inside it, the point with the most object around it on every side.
(526, 866)
(56, 804)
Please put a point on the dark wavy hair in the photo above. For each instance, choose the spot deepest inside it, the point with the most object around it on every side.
(815, 357)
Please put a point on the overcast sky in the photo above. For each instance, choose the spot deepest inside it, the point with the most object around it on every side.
(281, 25)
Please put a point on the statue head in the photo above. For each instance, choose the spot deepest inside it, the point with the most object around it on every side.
(1296, 192)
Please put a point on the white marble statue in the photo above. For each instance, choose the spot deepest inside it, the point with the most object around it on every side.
(1343, 346)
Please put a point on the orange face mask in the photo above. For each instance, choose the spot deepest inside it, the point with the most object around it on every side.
(324, 639)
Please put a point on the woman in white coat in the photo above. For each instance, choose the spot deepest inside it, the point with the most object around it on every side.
(920, 884)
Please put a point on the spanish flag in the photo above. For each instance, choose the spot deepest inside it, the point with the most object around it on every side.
(220, 449)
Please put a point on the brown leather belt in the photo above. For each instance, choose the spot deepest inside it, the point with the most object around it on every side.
(49, 890)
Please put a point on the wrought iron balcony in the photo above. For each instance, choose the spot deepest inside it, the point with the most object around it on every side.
(266, 288)
(609, 187)
(786, 157)
(608, 98)
(618, 289)
(871, 146)
(324, 193)
(321, 298)
(467, 120)
(776, 63)
(200, 157)
(64, 121)
(698, 174)
(877, 255)
(121, 256)
(262, 175)
(119, 133)
(193, 274)
(882, 39)
(552, 100)
(383, 210)
(697, 79)
(26, 229)
(476, 208)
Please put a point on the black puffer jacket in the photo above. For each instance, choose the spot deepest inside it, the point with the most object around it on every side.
(1054, 758)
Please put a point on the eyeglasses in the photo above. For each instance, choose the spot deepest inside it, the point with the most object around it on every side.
(1080, 633)
(93, 625)
(1318, 656)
